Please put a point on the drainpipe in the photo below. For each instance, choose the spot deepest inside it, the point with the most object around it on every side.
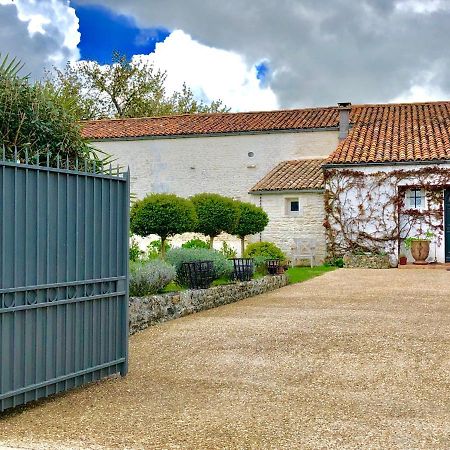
(344, 119)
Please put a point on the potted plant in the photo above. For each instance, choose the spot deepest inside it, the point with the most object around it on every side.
(420, 247)
(402, 259)
(284, 265)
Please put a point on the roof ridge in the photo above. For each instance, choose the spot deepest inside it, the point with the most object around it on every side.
(304, 159)
(236, 113)
(377, 105)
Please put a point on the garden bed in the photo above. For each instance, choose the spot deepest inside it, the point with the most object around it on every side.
(153, 309)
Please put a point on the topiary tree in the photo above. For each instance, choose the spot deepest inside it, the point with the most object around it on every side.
(164, 215)
(216, 214)
(252, 220)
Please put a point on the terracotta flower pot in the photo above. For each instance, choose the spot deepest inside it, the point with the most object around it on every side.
(403, 260)
(420, 248)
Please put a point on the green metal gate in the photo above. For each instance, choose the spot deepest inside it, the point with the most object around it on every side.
(64, 278)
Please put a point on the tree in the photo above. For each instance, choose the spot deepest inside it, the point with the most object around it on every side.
(164, 215)
(34, 124)
(216, 214)
(252, 220)
(124, 89)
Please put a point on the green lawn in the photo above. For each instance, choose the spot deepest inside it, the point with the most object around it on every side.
(299, 274)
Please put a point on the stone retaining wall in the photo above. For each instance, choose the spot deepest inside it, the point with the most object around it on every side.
(147, 311)
(367, 261)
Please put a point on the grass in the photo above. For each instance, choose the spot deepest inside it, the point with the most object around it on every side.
(173, 287)
(299, 274)
(221, 282)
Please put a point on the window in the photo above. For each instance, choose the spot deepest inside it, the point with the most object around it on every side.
(292, 207)
(415, 199)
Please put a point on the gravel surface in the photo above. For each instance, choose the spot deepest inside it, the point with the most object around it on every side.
(352, 359)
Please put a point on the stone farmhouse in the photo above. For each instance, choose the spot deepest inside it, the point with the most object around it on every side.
(348, 177)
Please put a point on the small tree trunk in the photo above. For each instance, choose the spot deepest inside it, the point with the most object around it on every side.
(211, 242)
(163, 248)
(242, 246)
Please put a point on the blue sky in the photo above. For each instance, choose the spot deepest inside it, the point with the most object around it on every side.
(103, 31)
(212, 73)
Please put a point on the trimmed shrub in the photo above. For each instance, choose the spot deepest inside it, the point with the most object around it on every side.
(177, 256)
(216, 214)
(195, 243)
(265, 249)
(164, 215)
(261, 252)
(252, 220)
(150, 277)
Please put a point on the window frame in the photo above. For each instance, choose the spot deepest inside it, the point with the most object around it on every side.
(411, 199)
(288, 205)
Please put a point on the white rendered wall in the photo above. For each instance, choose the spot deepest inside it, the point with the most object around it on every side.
(438, 244)
(220, 164)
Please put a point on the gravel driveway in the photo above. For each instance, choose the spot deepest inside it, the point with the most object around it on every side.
(352, 359)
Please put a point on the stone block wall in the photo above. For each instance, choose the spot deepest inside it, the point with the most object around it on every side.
(147, 311)
(282, 228)
(367, 261)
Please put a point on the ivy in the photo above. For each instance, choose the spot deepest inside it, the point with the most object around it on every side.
(363, 210)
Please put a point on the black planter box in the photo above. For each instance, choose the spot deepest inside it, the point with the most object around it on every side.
(243, 269)
(273, 266)
(198, 274)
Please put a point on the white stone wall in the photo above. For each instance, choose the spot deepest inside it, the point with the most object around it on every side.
(220, 164)
(179, 239)
(283, 227)
(352, 198)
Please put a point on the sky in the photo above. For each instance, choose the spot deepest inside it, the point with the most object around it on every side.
(253, 55)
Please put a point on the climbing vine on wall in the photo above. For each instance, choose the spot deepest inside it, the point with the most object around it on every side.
(366, 212)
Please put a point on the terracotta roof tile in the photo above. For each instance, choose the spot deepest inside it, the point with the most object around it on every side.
(189, 124)
(379, 133)
(292, 175)
(396, 133)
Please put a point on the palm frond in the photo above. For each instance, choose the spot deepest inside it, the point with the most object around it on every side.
(10, 67)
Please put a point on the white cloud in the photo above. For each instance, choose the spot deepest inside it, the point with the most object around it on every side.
(423, 88)
(211, 73)
(322, 51)
(48, 17)
(422, 7)
(420, 93)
